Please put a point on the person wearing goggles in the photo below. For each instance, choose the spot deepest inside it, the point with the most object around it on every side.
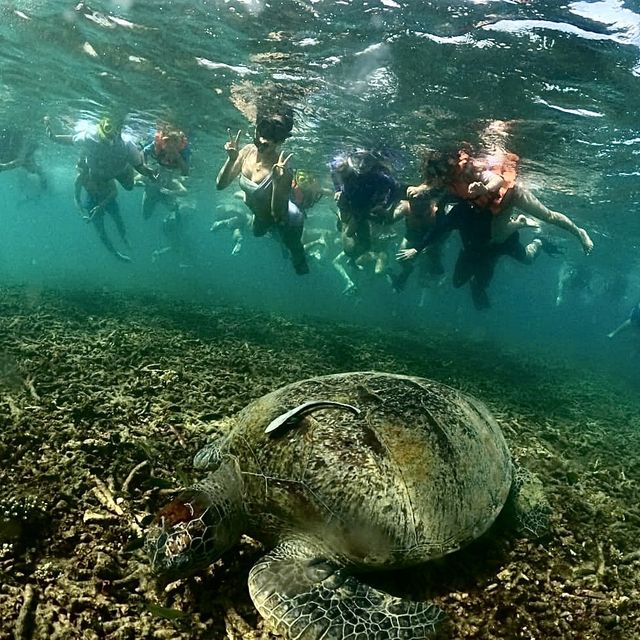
(266, 180)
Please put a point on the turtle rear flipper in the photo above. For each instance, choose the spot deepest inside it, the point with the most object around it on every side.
(309, 598)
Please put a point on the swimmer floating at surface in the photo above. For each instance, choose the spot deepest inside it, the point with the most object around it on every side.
(266, 179)
(366, 192)
(170, 153)
(491, 183)
(107, 155)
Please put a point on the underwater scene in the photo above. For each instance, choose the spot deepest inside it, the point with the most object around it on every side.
(319, 319)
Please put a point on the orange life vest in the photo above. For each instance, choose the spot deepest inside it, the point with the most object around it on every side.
(159, 148)
(468, 170)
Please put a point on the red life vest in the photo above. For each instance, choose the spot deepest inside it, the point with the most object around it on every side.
(159, 147)
(468, 170)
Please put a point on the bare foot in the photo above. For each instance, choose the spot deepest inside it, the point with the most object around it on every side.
(587, 242)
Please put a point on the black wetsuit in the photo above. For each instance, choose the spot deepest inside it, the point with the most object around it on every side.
(478, 257)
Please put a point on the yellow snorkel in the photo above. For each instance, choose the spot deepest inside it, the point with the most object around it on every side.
(108, 128)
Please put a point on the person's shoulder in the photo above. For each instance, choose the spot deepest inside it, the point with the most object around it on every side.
(248, 149)
(247, 152)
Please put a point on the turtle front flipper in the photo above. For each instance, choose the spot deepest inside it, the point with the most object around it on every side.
(306, 597)
(527, 504)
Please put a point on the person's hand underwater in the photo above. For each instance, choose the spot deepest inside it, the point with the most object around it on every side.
(406, 254)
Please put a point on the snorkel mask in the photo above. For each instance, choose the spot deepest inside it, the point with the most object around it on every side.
(109, 129)
(272, 129)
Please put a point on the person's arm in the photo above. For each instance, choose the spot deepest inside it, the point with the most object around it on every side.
(146, 171)
(489, 182)
(21, 157)
(232, 166)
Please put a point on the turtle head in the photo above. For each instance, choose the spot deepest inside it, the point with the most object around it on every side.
(197, 527)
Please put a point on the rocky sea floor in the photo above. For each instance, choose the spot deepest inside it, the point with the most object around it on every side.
(105, 399)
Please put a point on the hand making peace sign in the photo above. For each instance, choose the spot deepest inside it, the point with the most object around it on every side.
(280, 167)
(231, 146)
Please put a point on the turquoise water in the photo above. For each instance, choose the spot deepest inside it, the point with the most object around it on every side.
(388, 74)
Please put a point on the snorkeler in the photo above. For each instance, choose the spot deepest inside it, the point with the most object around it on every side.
(632, 322)
(18, 151)
(266, 179)
(420, 215)
(106, 153)
(491, 184)
(479, 255)
(170, 153)
(365, 192)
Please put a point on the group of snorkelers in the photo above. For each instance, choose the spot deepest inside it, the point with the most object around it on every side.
(475, 192)
(107, 159)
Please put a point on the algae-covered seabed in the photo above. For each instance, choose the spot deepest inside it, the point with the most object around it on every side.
(105, 399)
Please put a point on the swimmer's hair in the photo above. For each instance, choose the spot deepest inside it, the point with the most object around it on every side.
(434, 164)
(437, 163)
(275, 125)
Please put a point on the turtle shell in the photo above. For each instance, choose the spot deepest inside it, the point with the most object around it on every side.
(419, 472)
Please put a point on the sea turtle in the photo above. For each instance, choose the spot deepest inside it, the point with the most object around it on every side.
(338, 475)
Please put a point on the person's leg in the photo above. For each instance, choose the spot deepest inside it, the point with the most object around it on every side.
(260, 226)
(339, 263)
(113, 209)
(291, 235)
(483, 274)
(98, 224)
(464, 268)
(238, 238)
(348, 233)
(382, 260)
(430, 267)
(32, 166)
